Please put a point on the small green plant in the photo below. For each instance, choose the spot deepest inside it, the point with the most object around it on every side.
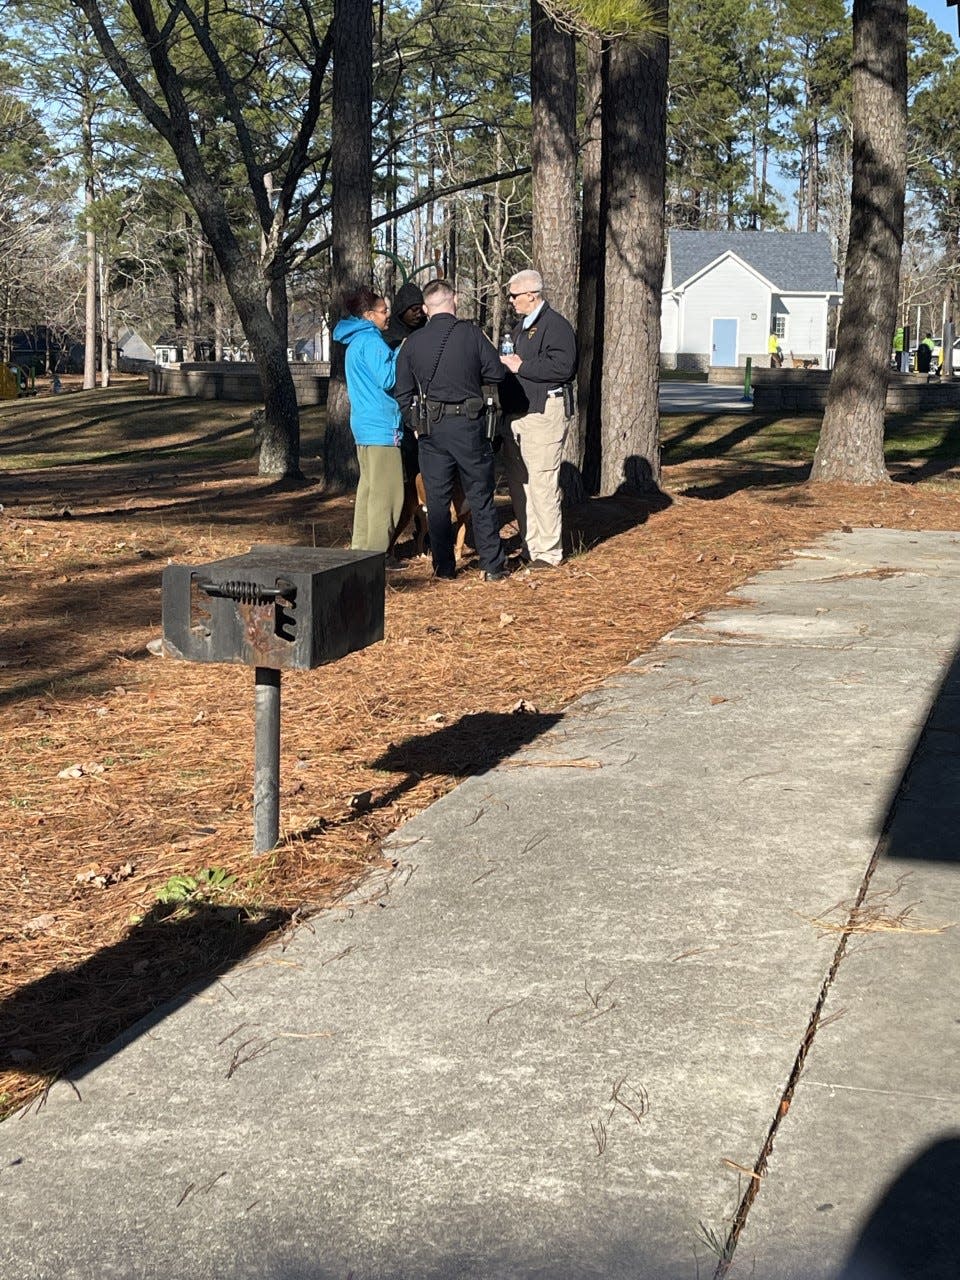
(721, 1245)
(205, 886)
(19, 802)
(580, 547)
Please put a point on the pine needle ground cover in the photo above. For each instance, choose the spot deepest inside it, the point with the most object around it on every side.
(126, 779)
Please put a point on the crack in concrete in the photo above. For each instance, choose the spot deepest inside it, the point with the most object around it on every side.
(813, 1025)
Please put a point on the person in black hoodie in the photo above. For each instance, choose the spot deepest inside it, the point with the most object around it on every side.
(406, 315)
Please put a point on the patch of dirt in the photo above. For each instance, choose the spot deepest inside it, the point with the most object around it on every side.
(122, 770)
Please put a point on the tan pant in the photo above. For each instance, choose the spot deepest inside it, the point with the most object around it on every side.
(532, 451)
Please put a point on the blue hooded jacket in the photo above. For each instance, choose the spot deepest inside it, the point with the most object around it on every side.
(371, 371)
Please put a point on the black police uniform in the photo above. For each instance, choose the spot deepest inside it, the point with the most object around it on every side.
(457, 439)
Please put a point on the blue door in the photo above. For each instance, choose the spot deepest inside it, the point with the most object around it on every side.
(723, 342)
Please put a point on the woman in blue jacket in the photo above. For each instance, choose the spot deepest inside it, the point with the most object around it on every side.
(374, 419)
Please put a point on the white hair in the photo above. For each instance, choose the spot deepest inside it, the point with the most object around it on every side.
(529, 281)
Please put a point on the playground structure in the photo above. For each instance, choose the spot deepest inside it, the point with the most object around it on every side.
(15, 381)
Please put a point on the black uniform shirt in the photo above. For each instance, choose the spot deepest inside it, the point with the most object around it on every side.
(468, 361)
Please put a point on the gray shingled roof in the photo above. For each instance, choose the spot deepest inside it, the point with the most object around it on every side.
(790, 260)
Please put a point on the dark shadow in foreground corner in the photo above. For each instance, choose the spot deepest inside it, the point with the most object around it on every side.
(595, 520)
(471, 745)
(912, 1233)
(120, 992)
(923, 815)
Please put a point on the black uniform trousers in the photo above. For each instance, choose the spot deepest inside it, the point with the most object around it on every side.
(460, 444)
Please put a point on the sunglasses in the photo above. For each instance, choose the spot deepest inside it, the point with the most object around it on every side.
(518, 295)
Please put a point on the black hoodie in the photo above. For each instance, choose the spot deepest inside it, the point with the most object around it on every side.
(396, 330)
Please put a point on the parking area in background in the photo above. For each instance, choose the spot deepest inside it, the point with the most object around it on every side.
(702, 397)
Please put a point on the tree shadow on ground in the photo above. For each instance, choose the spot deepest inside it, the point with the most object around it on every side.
(716, 447)
(60, 649)
(705, 469)
(723, 481)
(912, 1233)
(70, 1014)
(184, 491)
(941, 459)
(596, 520)
(922, 821)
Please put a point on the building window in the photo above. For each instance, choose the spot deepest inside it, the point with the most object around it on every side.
(780, 326)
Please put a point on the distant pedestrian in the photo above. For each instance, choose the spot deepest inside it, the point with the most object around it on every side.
(776, 352)
(537, 398)
(374, 419)
(925, 354)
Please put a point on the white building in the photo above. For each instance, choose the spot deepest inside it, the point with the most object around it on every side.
(134, 354)
(725, 292)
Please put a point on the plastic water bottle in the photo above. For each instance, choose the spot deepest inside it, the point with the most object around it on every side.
(506, 345)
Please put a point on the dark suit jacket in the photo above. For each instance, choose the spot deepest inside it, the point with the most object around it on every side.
(548, 351)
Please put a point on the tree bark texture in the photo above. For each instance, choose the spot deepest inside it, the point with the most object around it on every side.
(553, 152)
(90, 286)
(851, 438)
(634, 176)
(590, 298)
(352, 182)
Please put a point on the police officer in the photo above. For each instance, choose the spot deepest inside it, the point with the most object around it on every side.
(445, 365)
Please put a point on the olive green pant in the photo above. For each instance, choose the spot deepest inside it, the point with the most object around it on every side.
(379, 497)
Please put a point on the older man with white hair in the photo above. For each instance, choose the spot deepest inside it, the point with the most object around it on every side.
(537, 401)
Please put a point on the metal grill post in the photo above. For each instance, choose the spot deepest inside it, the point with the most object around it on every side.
(275, 609)
(266, 760)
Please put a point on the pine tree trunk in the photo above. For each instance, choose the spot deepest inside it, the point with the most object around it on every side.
(851, 438)
(634, 175)
(217, 314)
(553, 153)
(90, 296)
(105, 343)
(352, 178)
(590, 301)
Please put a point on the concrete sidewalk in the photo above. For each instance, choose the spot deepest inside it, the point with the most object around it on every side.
(703, 397)
(555, 1041)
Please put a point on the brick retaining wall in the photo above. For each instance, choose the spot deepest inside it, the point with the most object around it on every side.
(805, 391)
(234, 381)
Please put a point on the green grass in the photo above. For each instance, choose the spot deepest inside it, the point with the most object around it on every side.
(932, 437)
(124, 425)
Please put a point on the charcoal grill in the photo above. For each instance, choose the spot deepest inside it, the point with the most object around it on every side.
(275, 609)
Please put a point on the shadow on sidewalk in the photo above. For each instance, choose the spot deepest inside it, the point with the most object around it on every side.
(72, 1013)
(912, 1233)
(923, 817)
(178, 949)
(470, 745)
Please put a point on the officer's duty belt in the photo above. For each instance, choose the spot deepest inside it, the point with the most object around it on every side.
(455, 409)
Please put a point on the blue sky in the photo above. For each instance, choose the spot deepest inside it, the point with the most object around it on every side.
(943, 15)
